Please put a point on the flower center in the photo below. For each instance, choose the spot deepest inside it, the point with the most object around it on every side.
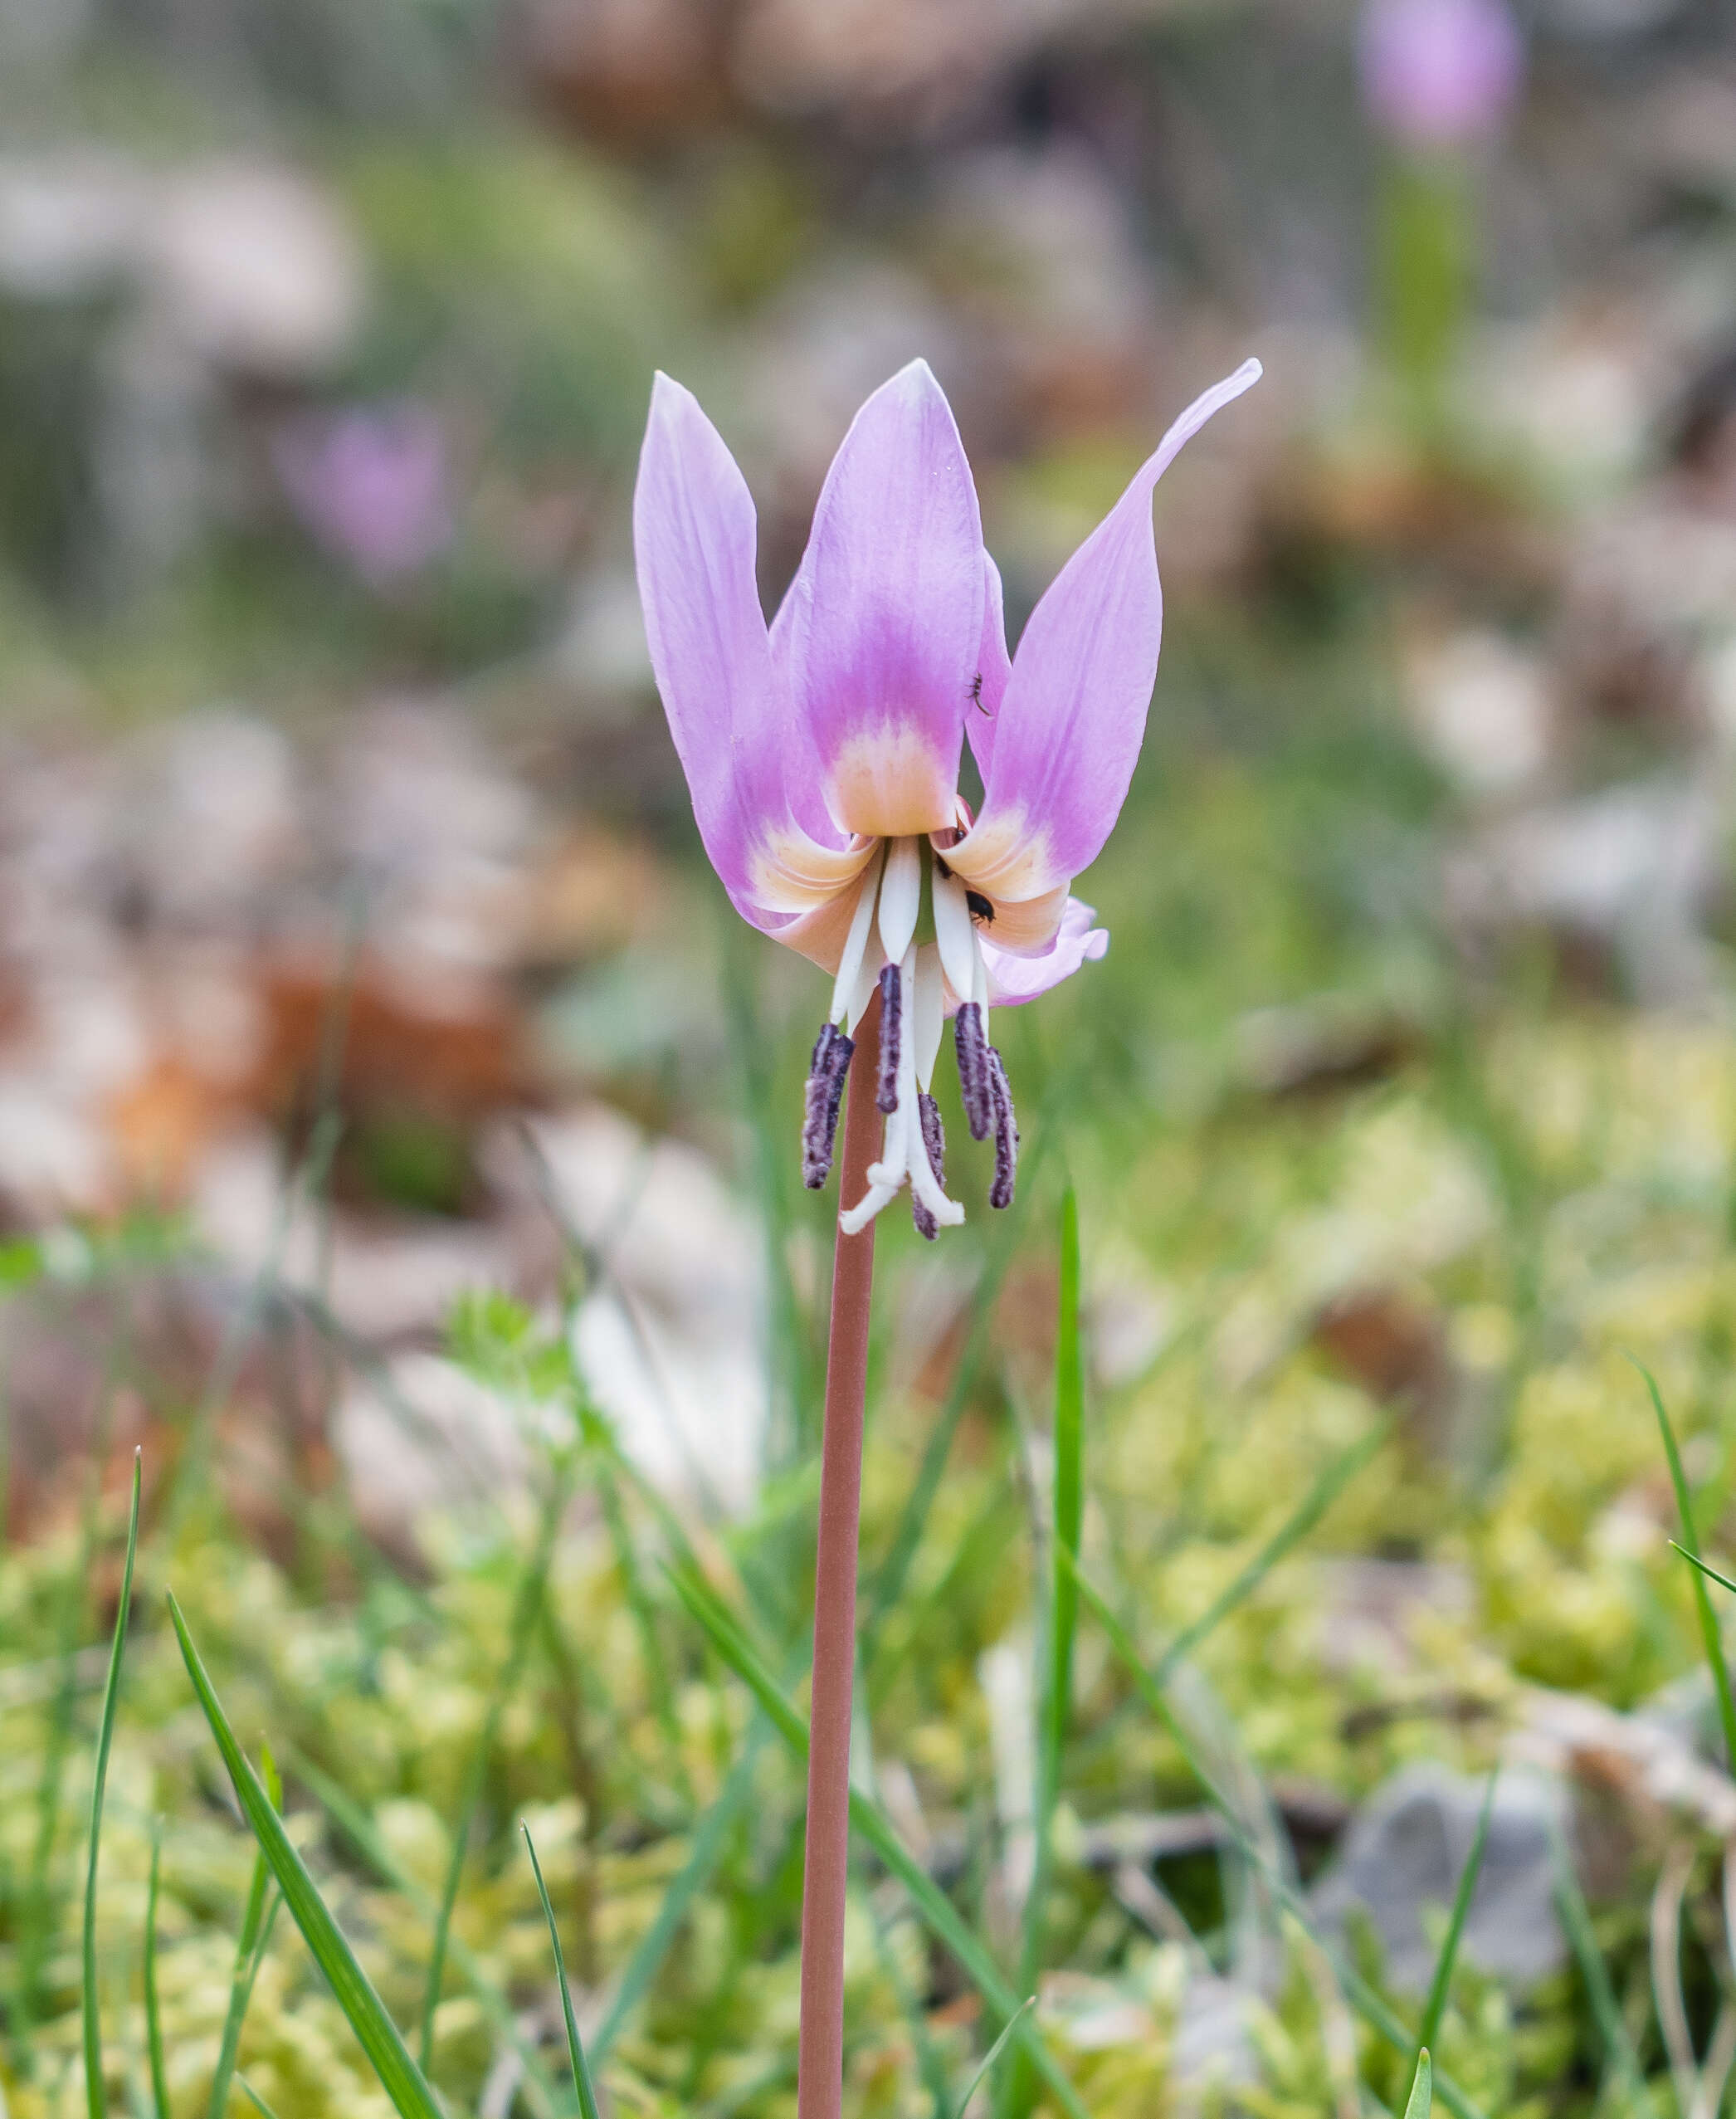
(916, 933)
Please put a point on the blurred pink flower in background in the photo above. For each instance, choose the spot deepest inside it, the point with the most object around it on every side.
(370, 483)
(1439, 73)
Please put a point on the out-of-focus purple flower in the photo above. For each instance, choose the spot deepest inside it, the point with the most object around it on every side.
(822, 754)
(371, 485)
(1439, 73)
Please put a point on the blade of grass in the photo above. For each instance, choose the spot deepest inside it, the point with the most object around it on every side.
(930, 2062)
(575, 2047)
(702, 1858)
(1331, 1482)
(994, 2054)
(259, 2104)
(153, 2011)
(1421, 2095)
(1434, 2008)
(645, 1616)
(1357, 1991)
(888, 1583)
(248, 1961)
(95, 2092)
(257, 1921)
(1620, 2055)
(376, 2033)
(526, 1604)
(1060, 1621)
(1710, 1639)
(538, 2086)
(39, 1921)
(1705, 1567)
(943, 1917)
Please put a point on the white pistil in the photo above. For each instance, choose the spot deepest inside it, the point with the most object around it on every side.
(903, 1154)
(901, 896)
(928, 1012)
(844, 1007)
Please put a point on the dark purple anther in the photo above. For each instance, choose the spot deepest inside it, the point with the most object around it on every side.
(934, 1136)
(821, 1103)
(972, 1048)
(1007, 1134)
(891, 1028)
(926, 1225)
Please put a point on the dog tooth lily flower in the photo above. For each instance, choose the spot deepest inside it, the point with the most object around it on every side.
(822, 752)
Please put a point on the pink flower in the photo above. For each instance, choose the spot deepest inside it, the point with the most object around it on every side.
(370, 483)
(823, 752)
(1439, 73)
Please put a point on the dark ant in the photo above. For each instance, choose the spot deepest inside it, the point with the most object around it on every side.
(978, 906)
(976, 693)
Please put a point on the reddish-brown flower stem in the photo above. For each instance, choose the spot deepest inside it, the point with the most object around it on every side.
(819, 2080)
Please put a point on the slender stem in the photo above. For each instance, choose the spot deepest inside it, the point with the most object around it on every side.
(820, 2078)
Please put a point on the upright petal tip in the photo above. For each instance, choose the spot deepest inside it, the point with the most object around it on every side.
(669, 399)
(915, 383)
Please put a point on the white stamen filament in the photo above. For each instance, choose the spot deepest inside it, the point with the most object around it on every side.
(856, 948)
(956, 935)
(901, 896)
(904, 1153)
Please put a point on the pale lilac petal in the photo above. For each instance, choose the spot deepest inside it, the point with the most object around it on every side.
(1069, 727)
(693, 541)
(880, 633)
(1439, 73)
(994, 665)
(1013, 980)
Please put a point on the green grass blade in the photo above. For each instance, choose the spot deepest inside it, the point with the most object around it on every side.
(1060, 1621)
(240, 1996)
(1422, 2095)
(994, 2054)
(1434, 2008)
(95, 2092)
(1063, 1617)
(40, 1923)
(1705, 1567)
(1314, 1504)
(702, 1858)
(1711, 1640)
(376, 2033)
(888, 1583)
(538, 2087)
(1620, 2055)
(259, 2105)
(525, 1606)
(876, 1827)
(1357, 1991)
(575, 2046)
(153, 2011)
(254, 1923)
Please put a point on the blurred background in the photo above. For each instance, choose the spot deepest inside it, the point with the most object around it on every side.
(356, 951)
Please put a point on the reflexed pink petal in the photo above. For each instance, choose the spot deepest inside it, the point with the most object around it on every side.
(1071, 725)
(994, 665)
(739, 744)
(1013, 980)
(882, 628)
